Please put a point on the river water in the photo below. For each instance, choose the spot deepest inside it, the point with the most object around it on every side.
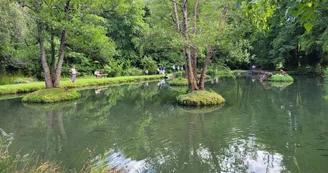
(140, 128)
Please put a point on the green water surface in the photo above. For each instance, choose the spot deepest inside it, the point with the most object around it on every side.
(140, 128)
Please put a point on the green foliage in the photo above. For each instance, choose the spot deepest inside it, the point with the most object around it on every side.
(51, 95)
(178, 82)
(6, 79)
(280, 78)
(149, 64)
(200, 98)
(133, 71)
(113, 69)
(179, 74)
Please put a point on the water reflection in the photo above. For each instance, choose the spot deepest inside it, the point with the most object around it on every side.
(55, 129)
(257, 130)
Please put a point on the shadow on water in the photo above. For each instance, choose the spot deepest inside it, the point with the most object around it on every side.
(140, 128)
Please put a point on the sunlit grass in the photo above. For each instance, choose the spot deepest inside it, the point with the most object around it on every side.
(80, 82)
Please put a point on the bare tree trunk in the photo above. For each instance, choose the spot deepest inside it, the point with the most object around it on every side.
(191, 79)
(46, 71)
(176, 16)
(61, 49)
(207, 61)
(53, 57)
(60, 59)
(194, 48)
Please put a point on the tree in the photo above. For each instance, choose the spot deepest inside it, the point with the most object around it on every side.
(197, 27)
(61, 18)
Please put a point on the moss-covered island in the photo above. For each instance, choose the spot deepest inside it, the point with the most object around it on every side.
(52, 95)
(178, 82)
(200, 98)
(280, 78)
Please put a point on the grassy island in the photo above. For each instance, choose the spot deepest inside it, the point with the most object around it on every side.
(280, 78)
(200, 98)
(178, 82)
(51, 95)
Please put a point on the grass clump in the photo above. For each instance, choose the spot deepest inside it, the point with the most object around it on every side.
(51, 95)
(200, 98)
(178, 82)
(280, 78)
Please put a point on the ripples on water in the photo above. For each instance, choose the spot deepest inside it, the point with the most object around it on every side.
(261, 128)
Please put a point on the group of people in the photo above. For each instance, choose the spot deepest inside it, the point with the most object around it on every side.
(73, 71)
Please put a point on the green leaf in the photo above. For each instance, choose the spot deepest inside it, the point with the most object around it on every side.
(308, 26)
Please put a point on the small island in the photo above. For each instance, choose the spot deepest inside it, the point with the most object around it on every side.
(200, 98)
(52, 95)
(178, 82)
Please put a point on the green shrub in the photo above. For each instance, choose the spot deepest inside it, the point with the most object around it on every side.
(179, 74)
(133, 71)
(6, 79)
(200, 98)
(148, 63)
(114, 69)
(23, 80)
(280, 78)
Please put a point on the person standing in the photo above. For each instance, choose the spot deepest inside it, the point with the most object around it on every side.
(73, 71)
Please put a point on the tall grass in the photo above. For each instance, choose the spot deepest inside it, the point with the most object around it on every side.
(6, 79)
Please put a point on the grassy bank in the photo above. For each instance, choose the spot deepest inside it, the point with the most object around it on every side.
(84, 82)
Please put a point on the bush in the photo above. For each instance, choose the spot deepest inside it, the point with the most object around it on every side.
(9, 79)
(179, 74)
(132, 71)
(23, 80)
(200, 98)
(148, 63)
(114, 69)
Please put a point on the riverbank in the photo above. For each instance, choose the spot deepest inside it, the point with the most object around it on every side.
(83, 82)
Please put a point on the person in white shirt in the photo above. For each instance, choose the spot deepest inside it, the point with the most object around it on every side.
(73, 71)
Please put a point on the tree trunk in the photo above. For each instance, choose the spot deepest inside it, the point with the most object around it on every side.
(46, 71)
(203, 73)
(60, 59)
(194, 48)
(53, 57)
(191, 79)
(61, 49)
(176, 16)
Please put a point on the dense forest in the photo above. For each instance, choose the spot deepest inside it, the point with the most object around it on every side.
(124, 37)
